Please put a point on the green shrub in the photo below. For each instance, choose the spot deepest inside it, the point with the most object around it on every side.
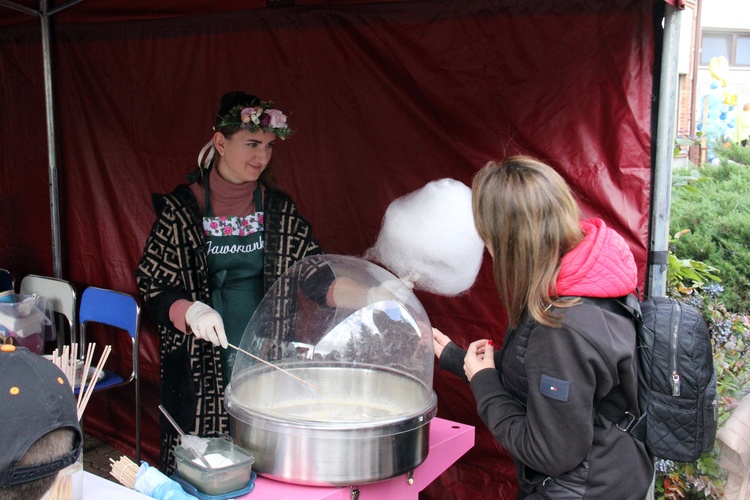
(710, 223)
(714, 220)
(737, 153)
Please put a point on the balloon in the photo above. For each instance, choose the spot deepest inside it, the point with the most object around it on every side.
(719, 67)
(730, 98)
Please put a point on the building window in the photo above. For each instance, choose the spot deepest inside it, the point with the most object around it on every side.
(735, 47)
(743, 51)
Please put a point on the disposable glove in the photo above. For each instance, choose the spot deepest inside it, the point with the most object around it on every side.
(152, 482)
(206, 324)
(391, 290)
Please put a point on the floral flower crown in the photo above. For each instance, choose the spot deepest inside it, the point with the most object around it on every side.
(258, 116)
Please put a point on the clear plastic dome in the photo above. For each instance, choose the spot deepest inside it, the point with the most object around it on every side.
(296, 326)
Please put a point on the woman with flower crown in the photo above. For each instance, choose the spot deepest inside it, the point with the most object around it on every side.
(216, 247)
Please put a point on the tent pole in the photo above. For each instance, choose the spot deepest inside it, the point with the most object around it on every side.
(665, 135)
(54, 201)
(18, 7)
(51, 147)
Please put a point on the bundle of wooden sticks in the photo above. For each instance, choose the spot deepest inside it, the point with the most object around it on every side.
(68, 362)
(124, 470)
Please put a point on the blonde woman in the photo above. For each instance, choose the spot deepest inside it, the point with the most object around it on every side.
(561, 356)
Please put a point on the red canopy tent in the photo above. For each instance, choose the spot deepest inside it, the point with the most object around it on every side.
(384, 96)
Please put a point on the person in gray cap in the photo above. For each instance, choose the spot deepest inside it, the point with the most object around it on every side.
(40, 433)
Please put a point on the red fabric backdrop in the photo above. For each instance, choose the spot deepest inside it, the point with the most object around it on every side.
(384, 97)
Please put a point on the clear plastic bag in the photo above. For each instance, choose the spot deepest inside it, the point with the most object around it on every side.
(25, 320)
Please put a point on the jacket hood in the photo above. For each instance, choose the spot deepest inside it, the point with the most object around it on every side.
(602, 265)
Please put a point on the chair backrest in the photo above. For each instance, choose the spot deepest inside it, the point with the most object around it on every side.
(7, 281)
(60, 295)
(118, 310)
(113, 308)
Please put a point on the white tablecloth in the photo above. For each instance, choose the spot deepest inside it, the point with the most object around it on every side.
(98, 488)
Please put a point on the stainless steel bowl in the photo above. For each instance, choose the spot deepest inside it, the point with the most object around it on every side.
(365, 424)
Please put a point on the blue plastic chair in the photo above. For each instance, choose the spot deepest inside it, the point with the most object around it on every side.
(122, 311)
(7, 281)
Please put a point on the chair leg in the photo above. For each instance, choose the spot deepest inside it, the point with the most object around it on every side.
(137, 419)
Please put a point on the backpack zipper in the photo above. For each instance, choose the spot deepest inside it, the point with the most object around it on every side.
(674, 328)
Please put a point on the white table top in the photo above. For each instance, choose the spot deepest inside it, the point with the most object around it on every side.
(98, 488)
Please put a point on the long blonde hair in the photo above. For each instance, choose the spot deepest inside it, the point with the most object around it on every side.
(526, 215)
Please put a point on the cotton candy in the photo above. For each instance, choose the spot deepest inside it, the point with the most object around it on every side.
(428, 237)
(197, 443)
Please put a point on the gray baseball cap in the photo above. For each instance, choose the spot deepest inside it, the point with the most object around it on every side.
(35, 399)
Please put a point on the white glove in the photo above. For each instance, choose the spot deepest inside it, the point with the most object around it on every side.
(206, 324)
(391, 290)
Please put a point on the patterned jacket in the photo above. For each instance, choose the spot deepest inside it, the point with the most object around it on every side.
(174, 265)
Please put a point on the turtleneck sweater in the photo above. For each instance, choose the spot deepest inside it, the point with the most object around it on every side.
(226, 198)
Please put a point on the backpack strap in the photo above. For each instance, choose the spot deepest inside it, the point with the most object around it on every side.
(629, 307)
(623, 420)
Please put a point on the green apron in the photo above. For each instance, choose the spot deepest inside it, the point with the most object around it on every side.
(235, 265)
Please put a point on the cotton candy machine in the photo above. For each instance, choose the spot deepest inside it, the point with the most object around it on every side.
(334, 395)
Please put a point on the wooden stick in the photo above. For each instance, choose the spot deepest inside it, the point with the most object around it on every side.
(84, 375)
(65, 365)
(56, 358)
(94, 378)
(280, 369)
(72, 364)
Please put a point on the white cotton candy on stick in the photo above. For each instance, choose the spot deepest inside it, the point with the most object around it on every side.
(428, 237)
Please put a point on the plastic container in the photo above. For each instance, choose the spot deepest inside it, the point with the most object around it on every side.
(26, 321)
(216, 480)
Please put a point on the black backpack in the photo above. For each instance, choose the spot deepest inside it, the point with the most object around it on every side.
(676, 378)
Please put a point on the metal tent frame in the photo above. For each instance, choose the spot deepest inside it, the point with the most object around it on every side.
(44, 14)
(661, 181)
